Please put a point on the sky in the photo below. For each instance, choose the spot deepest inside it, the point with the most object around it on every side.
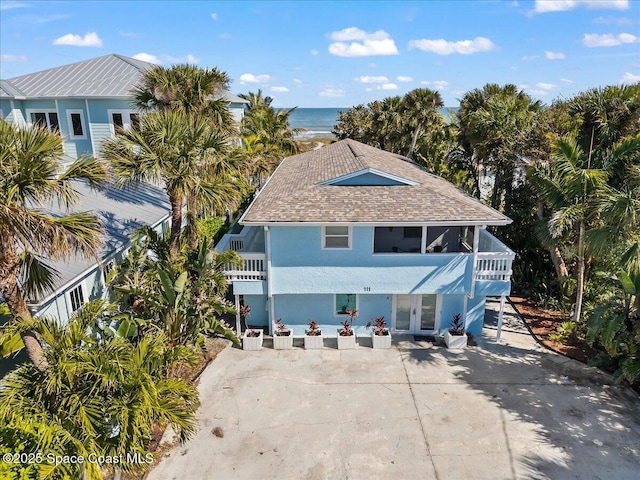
(340, 54)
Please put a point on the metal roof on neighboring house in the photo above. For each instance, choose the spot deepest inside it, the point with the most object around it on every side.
(109, 76)
(121, 211)
(300, 191)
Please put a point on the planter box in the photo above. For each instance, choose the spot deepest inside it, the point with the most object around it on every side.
(346, 343)
(455, 341)
(252, 343)
(313, 342)
(283, 342)
(381, 341)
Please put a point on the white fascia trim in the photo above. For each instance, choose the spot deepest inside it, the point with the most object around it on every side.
(380, 224)
(364, 171)
(86, 272)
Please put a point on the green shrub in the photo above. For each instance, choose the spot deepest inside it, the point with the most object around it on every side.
(212, 227)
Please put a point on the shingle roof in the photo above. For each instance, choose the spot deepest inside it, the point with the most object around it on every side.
(121, 212)
(111, 76)
(295, 192)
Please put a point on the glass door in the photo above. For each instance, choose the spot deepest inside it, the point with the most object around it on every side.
(416, 313)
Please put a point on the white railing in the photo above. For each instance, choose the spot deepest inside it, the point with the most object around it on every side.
(253, 268)
(494, 265)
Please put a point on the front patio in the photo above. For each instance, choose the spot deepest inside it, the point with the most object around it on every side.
(498, 410)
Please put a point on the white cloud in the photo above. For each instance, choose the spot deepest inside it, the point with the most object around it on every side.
(362, 44)
(89, 40)
(8, 5)
(186, 59)
(618, 21)
(543, 6)
(297, 81)
(225, 36)
(147, 57)
(370, 79)
(567, 81)
(251, 78)
(545, 86)
(629, 77)
(314, 53)
(214, 16)
(5, 57)
(554, 55)
(443, 47)
(526, 58)
(438, 84)
(368, 89)
(279, 89)
(130, 34)
(388, 86)
(404, 79)
(332, 92)
(608, 39)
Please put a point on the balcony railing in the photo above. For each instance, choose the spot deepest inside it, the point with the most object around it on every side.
(253, 268)
(494, 259)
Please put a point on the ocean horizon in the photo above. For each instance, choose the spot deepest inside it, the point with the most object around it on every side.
(319, 122)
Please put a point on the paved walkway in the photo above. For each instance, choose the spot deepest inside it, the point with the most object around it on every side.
(508, 410)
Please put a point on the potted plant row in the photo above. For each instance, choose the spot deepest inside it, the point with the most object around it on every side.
(346, 334)
(282, 336)
(456, 336)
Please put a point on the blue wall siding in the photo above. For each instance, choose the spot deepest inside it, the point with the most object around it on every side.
(5, 108)
(493, 288)
(475, 315)
(259, 313)
(297, 310)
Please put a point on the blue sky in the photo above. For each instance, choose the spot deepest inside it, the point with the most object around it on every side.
(339, 54)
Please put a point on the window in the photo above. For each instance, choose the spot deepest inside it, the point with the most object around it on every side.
(45, 119)
(77, 298)
(336, 237)
(76, 124)
(107, 269)
(345, 302)
(125, 119)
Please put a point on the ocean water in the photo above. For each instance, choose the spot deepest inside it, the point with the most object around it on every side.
(318, 122)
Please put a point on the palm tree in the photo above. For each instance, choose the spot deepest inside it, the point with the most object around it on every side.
(183, 152)
(420, 106)
(99, 397)
(573, 191)
(188, 89)
(31, 176)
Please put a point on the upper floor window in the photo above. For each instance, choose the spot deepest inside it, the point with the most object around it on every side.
(124, 119)
(46, 119)
(76, 124)
(336, 237)
(77, 298)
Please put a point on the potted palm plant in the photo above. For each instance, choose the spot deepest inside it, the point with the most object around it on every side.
(282, 336)
(456, 337)
(313, 336)
(346, 334)
(381, 336)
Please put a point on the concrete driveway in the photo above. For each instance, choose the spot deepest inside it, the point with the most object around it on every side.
(505, 410)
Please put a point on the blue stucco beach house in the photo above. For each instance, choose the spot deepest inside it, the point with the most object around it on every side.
(349, 226)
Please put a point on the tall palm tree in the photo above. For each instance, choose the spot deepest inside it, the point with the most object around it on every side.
(32, 177)
(186, 88)
(420, 106)
(573, 190)
(183, 152)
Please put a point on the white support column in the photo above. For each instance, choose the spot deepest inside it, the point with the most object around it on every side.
(500, 315)
(465, 308)
(476, 242)
(238, 326)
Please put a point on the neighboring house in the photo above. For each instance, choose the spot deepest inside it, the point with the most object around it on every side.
(350, 226)
(121, 212)
(84, 101)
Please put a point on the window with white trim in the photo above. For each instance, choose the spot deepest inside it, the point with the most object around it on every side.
(125, 119)
(77, 129)
(77, 298)
(343, 302)
(46, 119)
(336, 237)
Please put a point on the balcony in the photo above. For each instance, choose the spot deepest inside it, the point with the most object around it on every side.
(494, 259)
(249, 243)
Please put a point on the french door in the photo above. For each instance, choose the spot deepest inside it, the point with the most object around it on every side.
(419, 314)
